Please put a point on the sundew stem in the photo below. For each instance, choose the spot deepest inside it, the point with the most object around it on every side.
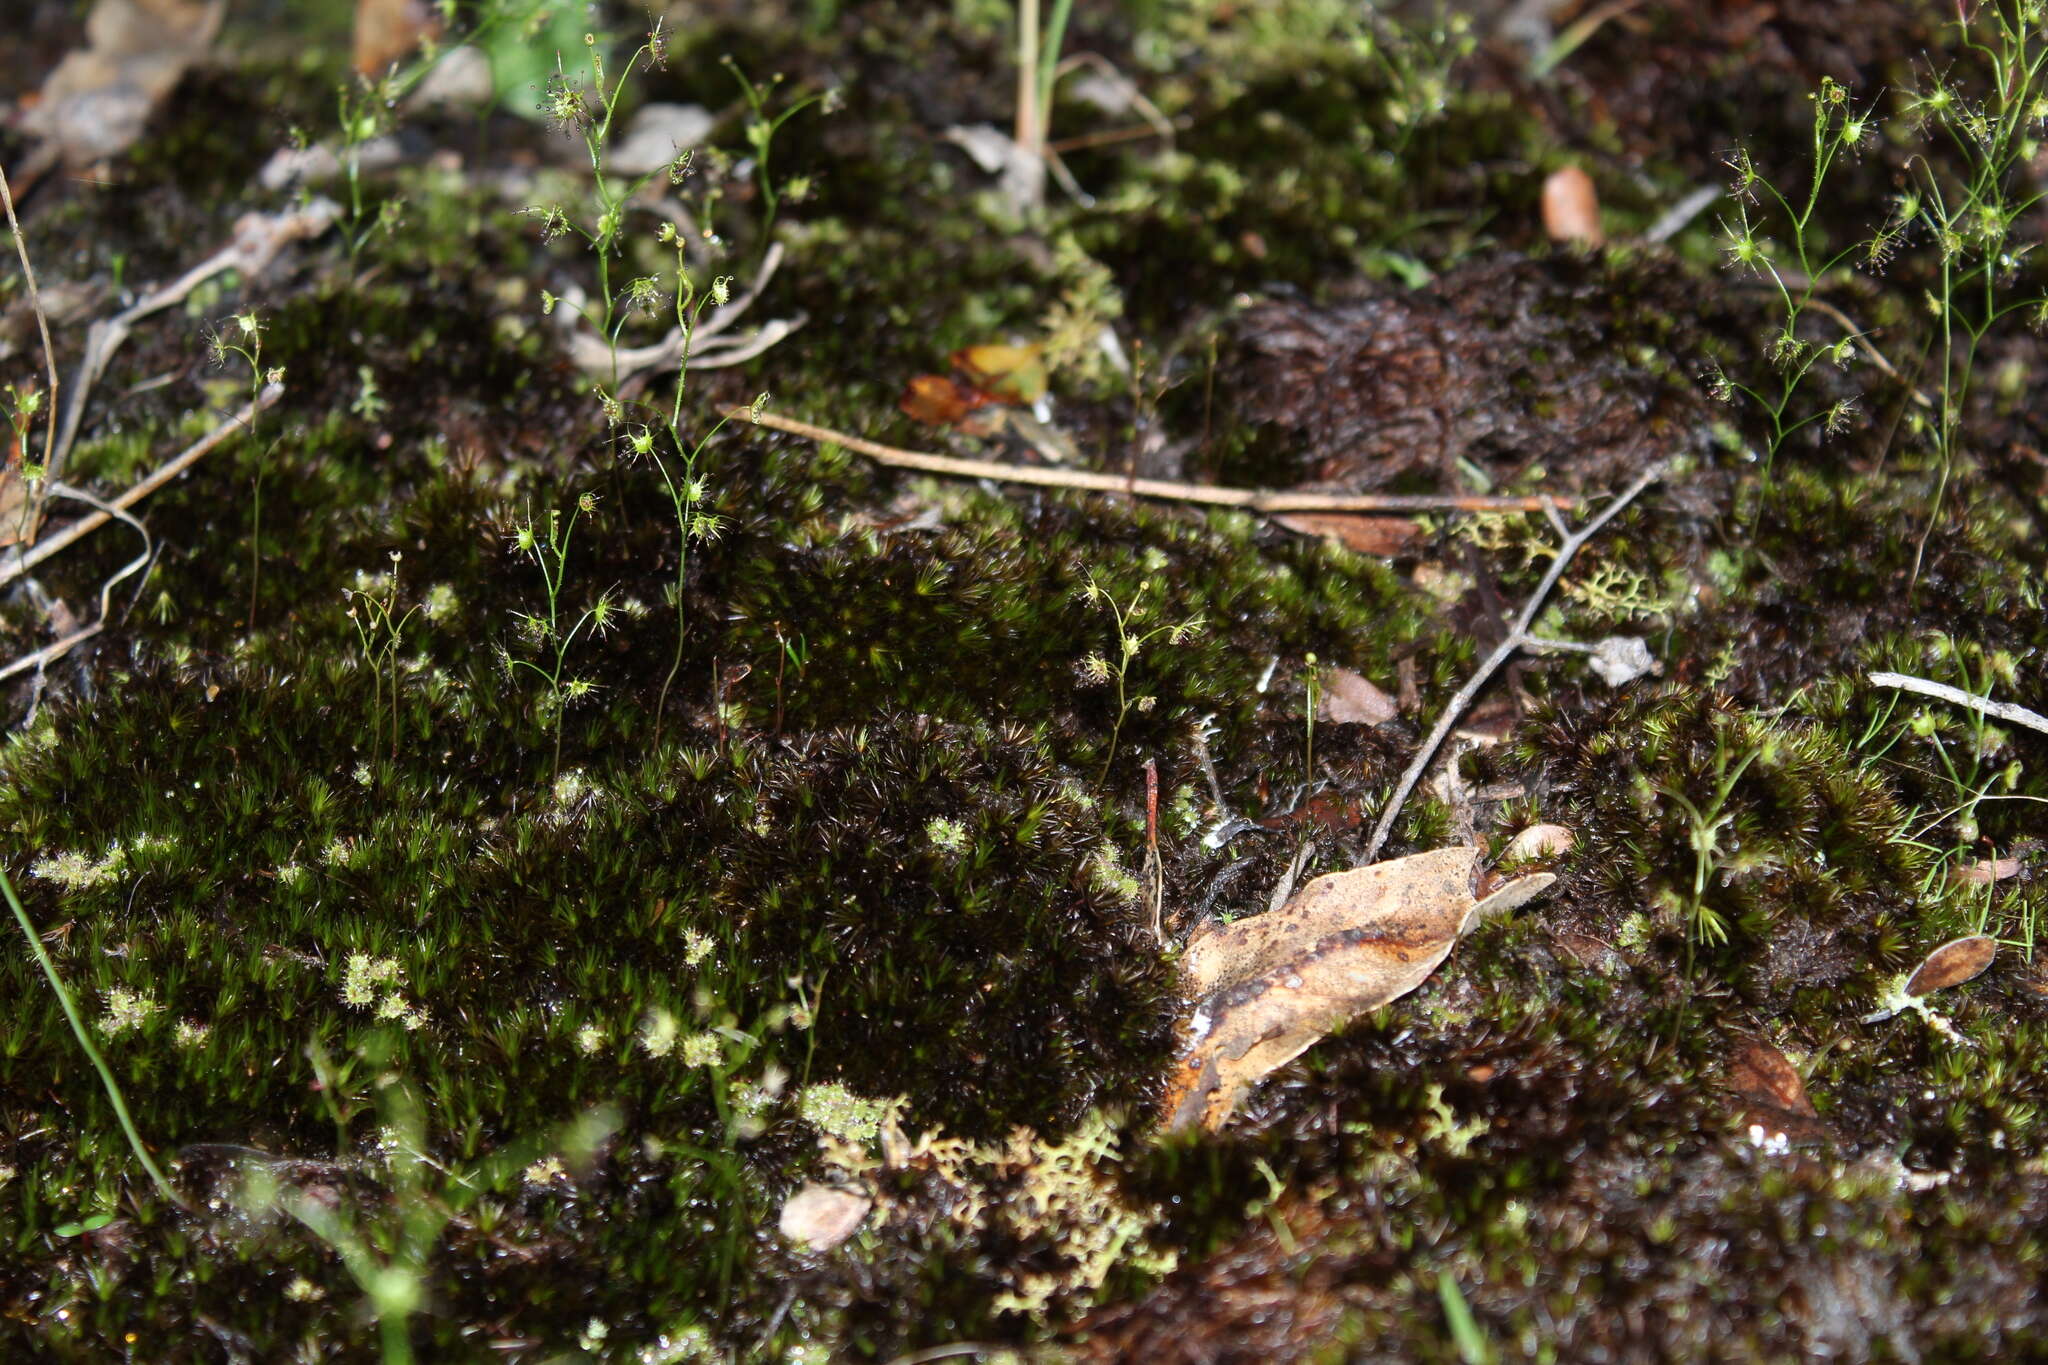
(78, 1029)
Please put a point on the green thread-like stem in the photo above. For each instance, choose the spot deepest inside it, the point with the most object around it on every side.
(78, 1028)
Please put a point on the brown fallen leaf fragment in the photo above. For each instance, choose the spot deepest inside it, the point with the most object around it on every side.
(1985, 871)
(1365, 535)
(1275, 1293)
(1270, 986)
(1330, 810)
(1571, 207)
(1773, 1095)
(1952, 964)
(822, 1216)
(1539, 841)
(1348, 698)
(98, 99)
(17, 519)
(937, 400)
(387, 30)
(1587, 951)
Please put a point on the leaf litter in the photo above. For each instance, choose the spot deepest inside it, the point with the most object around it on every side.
(1269, 987)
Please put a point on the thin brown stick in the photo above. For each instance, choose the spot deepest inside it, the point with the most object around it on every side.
(35, 302)
(1251, 499)
(257, 240)
(1030, 137)
(1518, 638)
(49, 653)
(946, 1352)
(1161, 126)
(170, 469)
(1109, 137)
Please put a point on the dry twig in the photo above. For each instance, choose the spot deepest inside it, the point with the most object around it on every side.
(2003, 710)
(57, 649)
(35, 302)
(257, 240)
(15, 565)
(1518, 638)
(709, 348)
(1251, 499)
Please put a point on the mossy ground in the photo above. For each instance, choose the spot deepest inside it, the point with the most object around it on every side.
(872, 844)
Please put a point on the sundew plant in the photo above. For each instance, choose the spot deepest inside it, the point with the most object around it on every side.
(1774, 236)
(587, 105)
(1953, 229)
(1982, 122)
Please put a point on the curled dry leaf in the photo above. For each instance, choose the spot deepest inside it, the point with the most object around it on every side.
(1571, 207)
(1985, 871)
(97, 100)
(1504, 898)
(1539, 841)
(1349, 699)
(822, 1216)
(1772, 1094)
(1270, 986)
(1365, 535)
(1952, 963)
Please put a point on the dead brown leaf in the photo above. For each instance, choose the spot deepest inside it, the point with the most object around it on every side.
(1588, 951)
(1985, 871)
(1326, 809)
(1365, 535)
(17, 524)
(1772, 1094)
(1348, 698)
(97, 101)
(1270, 986)
(17, 509)
(1952, 963)
(1539, 841)
(1760, 1072)
(387, 30)
(939, 401)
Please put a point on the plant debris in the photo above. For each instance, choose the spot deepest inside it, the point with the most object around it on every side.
(822, 1216)
(1772, 1094)
(1571, 207)
(1347, 698)
(95, 104)
(1268, 987)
